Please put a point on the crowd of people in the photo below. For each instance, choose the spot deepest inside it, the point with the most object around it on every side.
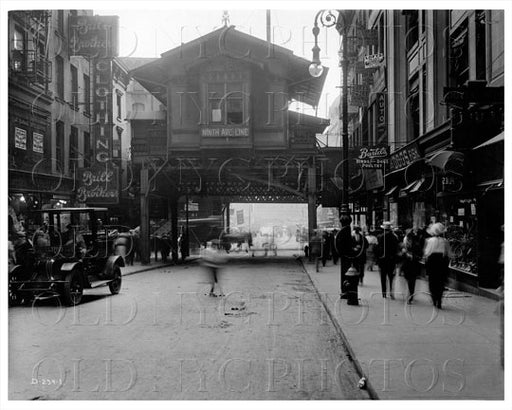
(393, 252)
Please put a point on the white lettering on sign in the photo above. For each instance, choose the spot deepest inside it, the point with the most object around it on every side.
(373, 60)
(225, 132)
(20, 138)
(366, 152)
(88, 178)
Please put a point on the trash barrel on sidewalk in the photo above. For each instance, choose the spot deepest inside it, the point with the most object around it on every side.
(351, 283)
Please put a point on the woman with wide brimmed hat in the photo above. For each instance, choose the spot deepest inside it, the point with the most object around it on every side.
(437, 258)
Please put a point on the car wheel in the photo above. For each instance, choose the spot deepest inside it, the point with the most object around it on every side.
(14, 298)
(115, 285)
(73, 288)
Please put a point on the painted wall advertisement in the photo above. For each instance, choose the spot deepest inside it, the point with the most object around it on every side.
(98, 185)
(96, 37)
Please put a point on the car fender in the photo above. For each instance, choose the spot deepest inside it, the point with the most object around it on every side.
(111, 262)
(15, 270)
(69, 266)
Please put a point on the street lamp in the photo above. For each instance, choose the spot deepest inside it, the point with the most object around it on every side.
(343, 240)
(328, 19)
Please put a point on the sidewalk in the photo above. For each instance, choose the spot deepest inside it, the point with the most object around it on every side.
(414, 351)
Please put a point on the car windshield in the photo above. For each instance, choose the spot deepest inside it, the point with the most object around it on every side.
(56, 231)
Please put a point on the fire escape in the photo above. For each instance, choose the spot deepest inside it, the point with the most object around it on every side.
(29, 48)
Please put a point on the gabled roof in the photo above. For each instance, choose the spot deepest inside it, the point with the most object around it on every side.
(231, 43)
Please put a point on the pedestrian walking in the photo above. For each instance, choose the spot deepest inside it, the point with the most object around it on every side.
(370, 251)
(412, 254)
(334, 252)
(344, 248)
(386, 253)
(213, 260)
(437, 257)
(360, 247)
(326, 247)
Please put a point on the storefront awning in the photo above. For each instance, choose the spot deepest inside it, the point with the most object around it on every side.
(497, 138)
(488, 185)
(442, 159)
(417, 185)
(391, 191)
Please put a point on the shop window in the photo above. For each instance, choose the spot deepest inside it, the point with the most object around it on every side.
(74, 86)
(87, 150)
(59, 144)
(74, 152)
(18, 50)
(411, 28)
(87, 94)
(481, 49)
(413, 108)
(459, 60)
(382, 35)
(60, 21)
(59, 74)
(423, 21)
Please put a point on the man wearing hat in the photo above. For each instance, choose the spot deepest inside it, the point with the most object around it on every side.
(386, 253)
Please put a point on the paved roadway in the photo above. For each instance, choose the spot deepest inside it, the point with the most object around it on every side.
(163, 338)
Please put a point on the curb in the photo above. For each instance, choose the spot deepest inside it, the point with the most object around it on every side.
(350, 352)
(146, 268)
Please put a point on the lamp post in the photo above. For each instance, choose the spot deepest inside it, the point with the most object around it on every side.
(328, 19)
(343, 240)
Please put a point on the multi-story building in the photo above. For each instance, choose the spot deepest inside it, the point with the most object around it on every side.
(53, 112)
(429, 83)
(49, 110)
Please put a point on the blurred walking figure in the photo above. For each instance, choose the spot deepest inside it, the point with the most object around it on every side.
(386, 253)
(412, 253)
(437, 258)
(326, 247)
(213, 260)
(334, 252)
(370, 251)
(360, 247)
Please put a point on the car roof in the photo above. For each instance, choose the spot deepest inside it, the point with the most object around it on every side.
(95, 209)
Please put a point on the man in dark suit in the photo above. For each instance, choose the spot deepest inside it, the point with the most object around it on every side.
(386, 254)
(345, 249)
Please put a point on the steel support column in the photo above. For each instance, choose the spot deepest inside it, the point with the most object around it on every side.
(312, 223)
(144, 216)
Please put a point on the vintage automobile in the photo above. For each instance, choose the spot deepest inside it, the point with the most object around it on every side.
(70, 251)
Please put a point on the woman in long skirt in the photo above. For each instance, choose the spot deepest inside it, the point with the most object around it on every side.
(437, 251)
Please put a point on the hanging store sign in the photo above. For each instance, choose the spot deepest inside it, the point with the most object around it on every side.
(374, 60)
(404, 157)
(98, 185)
(381, 115)
(373, 178)
(37, 143)
(225, 132)
(20, 138)
(94, 36)
(374, 157)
